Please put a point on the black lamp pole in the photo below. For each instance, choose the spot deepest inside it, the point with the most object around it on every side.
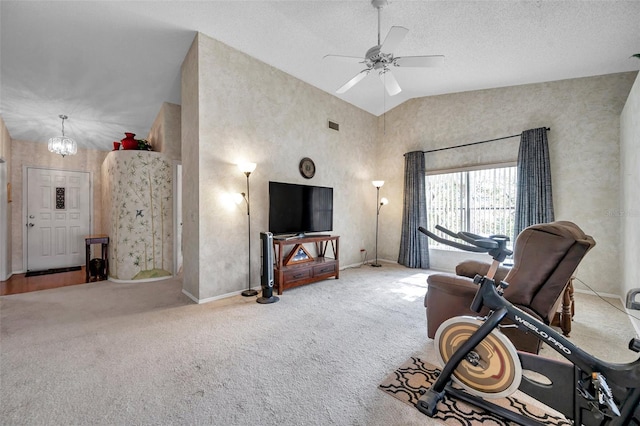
(377, 184)
(249, 292)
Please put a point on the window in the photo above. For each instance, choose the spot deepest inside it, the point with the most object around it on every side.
(479, 201)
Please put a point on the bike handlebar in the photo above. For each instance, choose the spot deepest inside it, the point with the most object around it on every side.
(495, 245)
(449, 242)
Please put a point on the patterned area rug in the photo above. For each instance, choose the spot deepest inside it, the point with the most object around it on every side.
(405, 384)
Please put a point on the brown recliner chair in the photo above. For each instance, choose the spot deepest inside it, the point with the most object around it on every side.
(544, 259)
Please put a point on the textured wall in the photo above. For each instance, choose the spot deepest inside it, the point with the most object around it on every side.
(138, 203)
(584, 146)
(164, 135)
(190, 118)
(36, 154)
(5, 207)
(629, 213)
(249, 111)
(5, 143)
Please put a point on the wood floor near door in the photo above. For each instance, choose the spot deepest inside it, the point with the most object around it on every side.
(18, 283)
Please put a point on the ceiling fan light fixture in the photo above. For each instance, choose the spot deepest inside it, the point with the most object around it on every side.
(380, 57)
(63, 145)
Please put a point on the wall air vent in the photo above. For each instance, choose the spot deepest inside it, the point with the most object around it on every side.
(334, 126)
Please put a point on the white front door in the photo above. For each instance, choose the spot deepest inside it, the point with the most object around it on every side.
(57, 218)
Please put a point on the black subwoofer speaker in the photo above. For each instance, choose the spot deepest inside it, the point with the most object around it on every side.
(266, 269)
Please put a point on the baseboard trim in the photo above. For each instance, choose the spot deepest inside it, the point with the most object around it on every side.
(214, 298)
(189, 295)
(144, 280)
(593, 293)
(367, 263)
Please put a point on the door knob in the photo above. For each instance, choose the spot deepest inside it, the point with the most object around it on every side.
(30, 225)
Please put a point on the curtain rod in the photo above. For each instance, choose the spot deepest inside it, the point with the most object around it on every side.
(476, 143)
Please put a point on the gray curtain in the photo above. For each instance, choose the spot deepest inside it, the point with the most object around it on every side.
(414, 249)
(534, 203)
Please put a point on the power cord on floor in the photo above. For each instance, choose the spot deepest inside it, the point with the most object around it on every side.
(363, 253)
(605, 300)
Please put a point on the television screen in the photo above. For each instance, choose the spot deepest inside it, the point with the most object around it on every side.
(296, 209)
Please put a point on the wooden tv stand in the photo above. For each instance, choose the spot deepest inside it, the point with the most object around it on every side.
(308, 269)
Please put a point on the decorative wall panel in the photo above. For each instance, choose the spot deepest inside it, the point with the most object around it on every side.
(138, 202)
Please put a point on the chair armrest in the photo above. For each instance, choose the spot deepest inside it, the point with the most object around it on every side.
(452, 284)
(447, 296)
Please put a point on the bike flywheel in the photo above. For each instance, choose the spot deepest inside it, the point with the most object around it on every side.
(491, 370)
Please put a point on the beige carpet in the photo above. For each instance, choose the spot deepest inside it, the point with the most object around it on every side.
(119, 354)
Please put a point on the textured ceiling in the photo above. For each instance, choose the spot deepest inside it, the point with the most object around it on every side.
(109, 65)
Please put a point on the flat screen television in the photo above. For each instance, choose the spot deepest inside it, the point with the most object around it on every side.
(297, 209)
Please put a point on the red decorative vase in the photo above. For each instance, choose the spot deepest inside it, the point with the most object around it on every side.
(129, 142)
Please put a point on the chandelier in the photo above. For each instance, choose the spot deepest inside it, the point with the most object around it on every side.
(63, 145)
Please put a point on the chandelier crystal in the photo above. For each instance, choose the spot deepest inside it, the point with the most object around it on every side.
(63, 145)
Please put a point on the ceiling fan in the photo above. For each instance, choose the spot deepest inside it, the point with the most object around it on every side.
(380, 58)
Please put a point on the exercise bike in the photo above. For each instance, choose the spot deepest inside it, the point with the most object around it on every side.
(484, 363)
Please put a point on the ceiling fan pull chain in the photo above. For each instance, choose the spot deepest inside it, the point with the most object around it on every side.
(384, 103)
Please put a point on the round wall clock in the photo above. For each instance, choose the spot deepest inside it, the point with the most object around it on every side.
(307, 168)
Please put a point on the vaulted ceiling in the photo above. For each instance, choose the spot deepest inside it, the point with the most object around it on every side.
(109, 65)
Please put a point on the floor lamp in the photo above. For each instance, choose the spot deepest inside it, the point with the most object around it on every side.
(379, 203)
(247, 168)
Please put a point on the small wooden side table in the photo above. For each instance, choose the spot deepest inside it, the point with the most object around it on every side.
(102, 239)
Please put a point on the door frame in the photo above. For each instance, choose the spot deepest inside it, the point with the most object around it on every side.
(5, 260)
(177, 215)
(25, 201)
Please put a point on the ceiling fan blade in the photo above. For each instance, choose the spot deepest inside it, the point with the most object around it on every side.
(419, 61)
(341, 58)
(355, 80)
(390, 82)
(393, 39)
